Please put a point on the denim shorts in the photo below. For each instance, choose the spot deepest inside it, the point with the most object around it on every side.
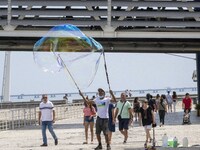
(88, 119)
(111, 126)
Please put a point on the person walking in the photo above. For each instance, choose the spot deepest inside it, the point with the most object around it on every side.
(125, 115)
(111, 121)
(162, 109)
(136, 108)
(102, 102)
(151, 102)
(174, 98)
(146, 118)
(169, 101)
(157, 100)
(88, 120)
(47, 118)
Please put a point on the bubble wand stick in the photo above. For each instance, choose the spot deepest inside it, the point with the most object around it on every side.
(64, 65)
(106, 70)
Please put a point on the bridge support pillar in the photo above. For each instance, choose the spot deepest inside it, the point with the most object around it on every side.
(198, 75)
(6, 78)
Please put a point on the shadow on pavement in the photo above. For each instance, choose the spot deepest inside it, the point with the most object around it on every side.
(56, 126)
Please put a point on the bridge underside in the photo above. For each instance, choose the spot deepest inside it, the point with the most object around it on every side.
(162, 26)
(119, 25)
(140, 45)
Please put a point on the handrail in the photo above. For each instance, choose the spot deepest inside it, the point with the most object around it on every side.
(17, 118)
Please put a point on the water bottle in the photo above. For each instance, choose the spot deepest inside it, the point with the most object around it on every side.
(185, 142)
(175, 142)
(165, 140)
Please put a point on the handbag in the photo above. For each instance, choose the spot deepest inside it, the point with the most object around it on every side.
(119, 116)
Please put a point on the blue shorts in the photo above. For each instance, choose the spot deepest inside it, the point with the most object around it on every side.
(88, 119)
(111, 126)
(123, 124)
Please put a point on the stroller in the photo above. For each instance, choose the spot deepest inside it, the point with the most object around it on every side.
(186, 117)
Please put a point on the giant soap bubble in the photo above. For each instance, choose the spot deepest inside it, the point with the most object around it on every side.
(65, 47)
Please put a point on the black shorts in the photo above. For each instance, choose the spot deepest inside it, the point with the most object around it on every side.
(123, 124)
(187, 109)
(102, 125)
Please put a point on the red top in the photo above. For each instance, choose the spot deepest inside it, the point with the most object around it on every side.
(187, 102)
(87, 111)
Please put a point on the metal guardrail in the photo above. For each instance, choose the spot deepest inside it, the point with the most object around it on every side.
(17, 118)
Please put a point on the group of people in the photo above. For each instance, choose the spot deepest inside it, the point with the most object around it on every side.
(107, 110)
(163, 104)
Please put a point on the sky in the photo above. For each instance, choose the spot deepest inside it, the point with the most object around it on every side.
(133, 71)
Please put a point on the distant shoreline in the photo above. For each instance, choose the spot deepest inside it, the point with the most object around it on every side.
(75, 95)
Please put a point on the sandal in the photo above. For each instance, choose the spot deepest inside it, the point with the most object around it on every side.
(150, 140)
(85, 143)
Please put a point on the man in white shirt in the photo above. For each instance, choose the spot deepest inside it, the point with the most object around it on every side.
(47, 118)
(102, 104)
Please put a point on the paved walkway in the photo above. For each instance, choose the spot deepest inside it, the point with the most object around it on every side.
(71, 135)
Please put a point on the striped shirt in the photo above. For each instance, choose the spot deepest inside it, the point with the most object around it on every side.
(46, 111)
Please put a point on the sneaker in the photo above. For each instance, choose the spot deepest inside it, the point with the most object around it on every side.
(99, 147)
(43, 145)
(56, 141)
(145, 145)
(108, 147)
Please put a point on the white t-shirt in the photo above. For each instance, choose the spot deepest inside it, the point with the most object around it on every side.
(102, 106)
(169, 99)
(46, 111)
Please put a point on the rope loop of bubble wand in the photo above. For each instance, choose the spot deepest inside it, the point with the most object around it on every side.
(106, 70)
(58, 57)
(64, 65)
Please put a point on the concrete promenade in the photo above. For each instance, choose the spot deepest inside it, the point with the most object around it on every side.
(71, 135)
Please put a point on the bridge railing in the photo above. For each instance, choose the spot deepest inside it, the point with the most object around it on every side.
(17, 118)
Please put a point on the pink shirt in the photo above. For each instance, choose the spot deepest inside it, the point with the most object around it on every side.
(88, 112)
